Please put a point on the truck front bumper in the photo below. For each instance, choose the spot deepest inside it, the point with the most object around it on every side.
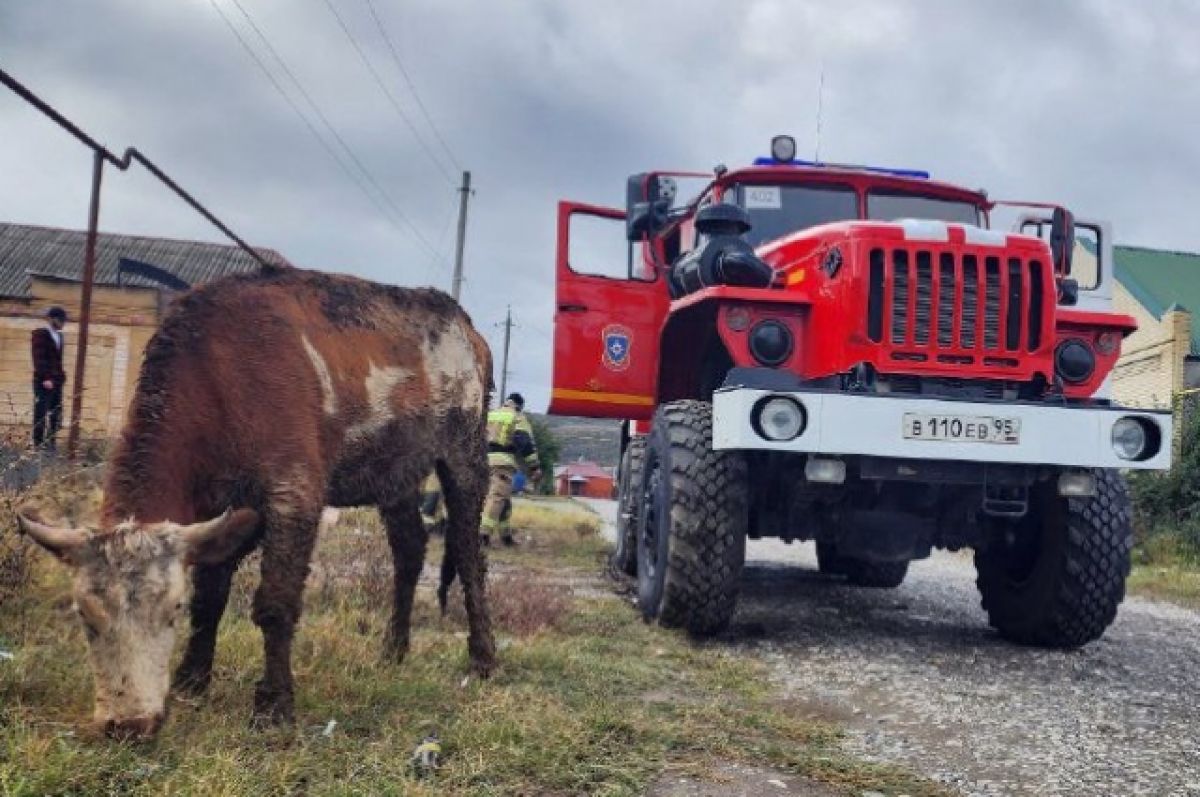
(881, 425)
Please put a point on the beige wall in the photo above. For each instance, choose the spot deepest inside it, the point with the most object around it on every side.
(1151, 369)
(123, 320)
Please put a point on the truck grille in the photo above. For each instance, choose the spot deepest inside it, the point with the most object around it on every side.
(954, 306)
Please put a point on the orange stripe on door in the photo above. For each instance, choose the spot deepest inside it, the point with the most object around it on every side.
(608, 398)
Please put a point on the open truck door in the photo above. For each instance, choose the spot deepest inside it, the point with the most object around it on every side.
(609, 310)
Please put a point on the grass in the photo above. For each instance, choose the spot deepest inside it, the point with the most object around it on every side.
(587, 700)
(1166, 567)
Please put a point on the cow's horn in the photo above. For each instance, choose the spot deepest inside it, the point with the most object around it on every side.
(200, 533)
(59, 542)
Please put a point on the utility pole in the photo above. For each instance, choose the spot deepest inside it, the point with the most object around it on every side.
(508, 325)
(465, 191)
(85, 306)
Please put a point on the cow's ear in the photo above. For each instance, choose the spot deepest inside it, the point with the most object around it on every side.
(217, 540)
(68, 545)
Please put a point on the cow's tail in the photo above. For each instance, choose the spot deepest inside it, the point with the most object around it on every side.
(449, 571)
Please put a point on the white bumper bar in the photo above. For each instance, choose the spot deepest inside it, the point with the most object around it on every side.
(849, 424)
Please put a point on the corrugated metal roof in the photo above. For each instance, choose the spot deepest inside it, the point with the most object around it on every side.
(1159, 279)
(57, 253)
(584, 470)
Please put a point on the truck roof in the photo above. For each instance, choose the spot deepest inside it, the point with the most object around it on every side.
(860, 177)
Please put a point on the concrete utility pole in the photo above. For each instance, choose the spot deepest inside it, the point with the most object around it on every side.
(465, 191)
(508, 325)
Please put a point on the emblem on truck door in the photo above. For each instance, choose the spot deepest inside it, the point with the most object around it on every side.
(617, 341)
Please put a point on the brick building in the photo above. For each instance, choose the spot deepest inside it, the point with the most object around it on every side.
(135, 279)
(1159, 360)
(585, 479)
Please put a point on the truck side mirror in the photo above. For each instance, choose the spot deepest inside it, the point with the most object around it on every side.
(643, 215)
(1062, 241)
(1068, 292)
(638, 221)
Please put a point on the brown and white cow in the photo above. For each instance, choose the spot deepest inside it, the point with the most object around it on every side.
(274, 395)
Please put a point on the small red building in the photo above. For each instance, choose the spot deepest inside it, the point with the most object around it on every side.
(584, 479)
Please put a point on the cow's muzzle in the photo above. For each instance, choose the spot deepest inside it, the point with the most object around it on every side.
(133, 728)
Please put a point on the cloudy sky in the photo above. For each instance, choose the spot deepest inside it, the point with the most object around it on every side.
(1093, 104)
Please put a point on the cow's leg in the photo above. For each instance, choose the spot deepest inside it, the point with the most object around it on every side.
(291, 532)
(407, 537)
(464, 481)
(210, 594)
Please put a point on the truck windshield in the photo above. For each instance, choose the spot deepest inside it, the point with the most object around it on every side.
(891, 206)
(779, 210)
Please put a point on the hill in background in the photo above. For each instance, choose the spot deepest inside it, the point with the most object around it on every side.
(594, 439)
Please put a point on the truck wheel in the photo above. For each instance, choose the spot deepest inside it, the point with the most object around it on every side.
(1056, 577)
(624, 557)
(692, 523)
(879, 575)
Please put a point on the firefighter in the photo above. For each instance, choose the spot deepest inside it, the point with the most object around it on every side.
(510, 445)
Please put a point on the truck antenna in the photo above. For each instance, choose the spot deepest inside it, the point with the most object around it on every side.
(820, 107)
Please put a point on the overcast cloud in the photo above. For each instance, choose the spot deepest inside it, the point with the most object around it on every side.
(1093, 104)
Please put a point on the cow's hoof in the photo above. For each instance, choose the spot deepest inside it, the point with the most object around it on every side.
(272, 710)
(483, 666)
(272, 717)
(395, 649)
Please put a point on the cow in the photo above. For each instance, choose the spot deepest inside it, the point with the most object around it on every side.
(263, 398)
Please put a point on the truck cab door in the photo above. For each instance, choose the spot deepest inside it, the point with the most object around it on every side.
(1092, 260)
(609, 311)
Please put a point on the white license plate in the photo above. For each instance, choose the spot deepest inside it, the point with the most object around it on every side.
(962, 428)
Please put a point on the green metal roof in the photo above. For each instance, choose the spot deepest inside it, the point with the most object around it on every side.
(1161, 280)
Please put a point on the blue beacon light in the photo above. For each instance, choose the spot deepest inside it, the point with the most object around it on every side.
(913, 173)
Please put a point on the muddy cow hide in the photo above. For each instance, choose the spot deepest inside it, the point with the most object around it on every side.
(274, 395)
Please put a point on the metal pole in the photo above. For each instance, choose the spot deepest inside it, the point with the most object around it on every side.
(465, 191)
(504, 367)
(85, 306)
(123, 163)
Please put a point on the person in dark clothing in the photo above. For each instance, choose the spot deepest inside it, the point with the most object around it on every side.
(48, 378)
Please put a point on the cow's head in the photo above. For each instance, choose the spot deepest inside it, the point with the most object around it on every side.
(130, 591)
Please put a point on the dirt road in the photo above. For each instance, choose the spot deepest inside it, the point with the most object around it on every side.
(918, 678)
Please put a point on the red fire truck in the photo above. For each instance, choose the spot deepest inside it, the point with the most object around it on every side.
(853, 355)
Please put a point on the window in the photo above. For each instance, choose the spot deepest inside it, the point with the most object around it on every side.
(779, 210)
(892, 206)
(597, 246)
(1085, 258)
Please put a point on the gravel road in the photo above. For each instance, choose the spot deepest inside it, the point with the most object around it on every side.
(918, 679)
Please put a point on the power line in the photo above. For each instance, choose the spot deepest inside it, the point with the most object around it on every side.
(350, 153)
(409, 82)
(387, 92)
(311, 128)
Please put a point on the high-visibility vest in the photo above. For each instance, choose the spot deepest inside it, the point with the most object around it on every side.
(510, 438)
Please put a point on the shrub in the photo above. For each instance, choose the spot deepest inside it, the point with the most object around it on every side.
(1166, 519)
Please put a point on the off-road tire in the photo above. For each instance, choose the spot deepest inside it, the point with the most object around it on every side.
(624, 557)
(692, 521)
(1073, 578)
(876, 575)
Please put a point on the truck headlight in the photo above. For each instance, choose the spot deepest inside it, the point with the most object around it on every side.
(783, 149)
(1075, 361)
(779, 418)
(1129, 438)
(770, 342)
